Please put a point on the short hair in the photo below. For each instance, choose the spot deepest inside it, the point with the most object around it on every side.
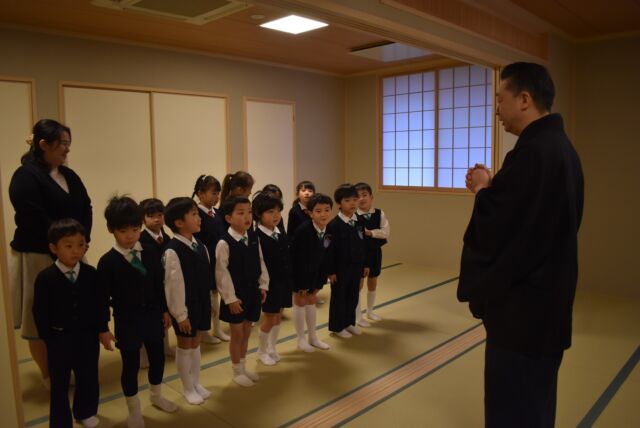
(272, 188)
(533, 78)
(229, 204)
(177, 209)
(363, 186)
(64, 227)
(263, 202)
(204, 183)
(319, 198)
(122, 211)
(152, 206)
(346, 190)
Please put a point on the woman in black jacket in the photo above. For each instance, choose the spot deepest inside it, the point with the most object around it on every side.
(42, 190)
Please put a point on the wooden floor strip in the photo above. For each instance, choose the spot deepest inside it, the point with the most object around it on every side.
(364, 398)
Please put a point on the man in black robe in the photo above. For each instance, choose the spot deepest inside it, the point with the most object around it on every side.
(519, 264)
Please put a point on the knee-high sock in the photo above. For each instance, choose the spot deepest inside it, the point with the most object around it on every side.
(195, 365)
(371, 300)
(273, 337)
(310, 315)
(358, 311)
(183, 364)
(298, 320)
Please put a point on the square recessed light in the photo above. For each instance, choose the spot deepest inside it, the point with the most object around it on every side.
(294, 24)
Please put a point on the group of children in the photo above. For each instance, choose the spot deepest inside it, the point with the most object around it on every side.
(239, 252)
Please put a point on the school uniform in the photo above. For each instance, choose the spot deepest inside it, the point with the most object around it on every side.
(40, 197)
(158, 241)
(298, 214)
(347, 261)
(309, 257)
(375, 221)
(240, 274)
(70, 310)
(136, 292)
(188, 283)
(275, 250)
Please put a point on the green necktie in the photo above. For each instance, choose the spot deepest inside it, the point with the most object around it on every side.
(137, 263)
(352, 223)
(274, 235)
(72, 276)
(320, 235)
(367, 216)
(244, 240)
(194, 246)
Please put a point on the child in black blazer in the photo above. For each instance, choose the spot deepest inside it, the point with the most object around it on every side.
(299, 212)
(133, 276)
(348, 263)
(309, 253)
(71, 314)
(207, 189)
(267, 212)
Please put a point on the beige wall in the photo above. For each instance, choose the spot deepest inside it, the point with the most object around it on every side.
(607, 94)
(318, 98)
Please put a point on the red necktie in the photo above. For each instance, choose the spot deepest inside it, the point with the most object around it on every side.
(210, 212)
(160, 239)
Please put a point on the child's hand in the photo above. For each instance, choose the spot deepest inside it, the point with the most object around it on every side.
(264, 295)
(166, 320)
(367, 232)
(333, 278)
(185, 326)
(365, 272)
(106, 338)
(236, 307)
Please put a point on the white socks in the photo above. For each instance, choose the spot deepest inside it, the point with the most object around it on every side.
(263, 348)
(195, 373)
(239, 376)
(135, 414)
(273, 341)
(90, 422)
(217, 326)
(183, 364)
(359, 320)
(253, 376)
(371, 300)
(298, 321)
(159, 401)
(310, 315)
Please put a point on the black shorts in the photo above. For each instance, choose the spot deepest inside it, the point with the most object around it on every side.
(278, 297)
(143, 325)
(375, 262)
(199, 315)
(251, 308)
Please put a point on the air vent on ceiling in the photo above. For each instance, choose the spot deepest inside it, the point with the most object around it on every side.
(387, 51)
(196, 12)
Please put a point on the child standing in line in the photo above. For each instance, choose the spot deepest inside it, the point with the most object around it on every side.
(376, 231)
(207, 189)
(348, 263)
(133, 276)
(267, 211)
(71, 314)
(275, 190)
(309, 253)
(155, 236)
(243, 282)
(299, 213)
(188, 280)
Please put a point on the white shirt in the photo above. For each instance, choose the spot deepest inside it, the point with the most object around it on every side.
(64, 269)
(223, 277)
(153, 234)
(315, 226)
(126, 252)
(385, 229)
(205, 209)
(268, 231)
(59, 178)
(302, 206)
(346, 219)
(174, 280)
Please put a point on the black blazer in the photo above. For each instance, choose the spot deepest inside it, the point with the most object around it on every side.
(349, 249)
(309, 258)
(62, 306)
(519, 263)
(147, 239)
(38, 201)
(128, 288)
(296, 218)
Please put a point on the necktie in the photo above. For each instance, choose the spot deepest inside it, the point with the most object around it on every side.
(194, 246)
(160, 239)
(210, 212)
(72, 276)
(352, 223)
(137, 263)
(367, 216)
(306, 212)
(274, 235)
(320, 235)
(244, 240)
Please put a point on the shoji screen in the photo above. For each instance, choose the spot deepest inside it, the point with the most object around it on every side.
(190, 135)
(270, 145)
(111, 150)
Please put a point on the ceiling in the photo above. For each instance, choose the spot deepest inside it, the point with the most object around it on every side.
(238, 35)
